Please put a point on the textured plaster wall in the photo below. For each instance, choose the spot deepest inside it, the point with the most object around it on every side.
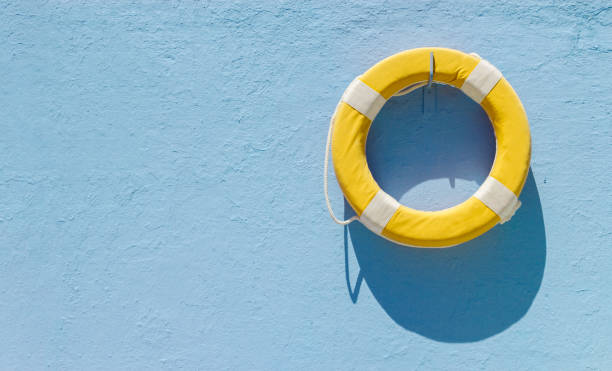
(161, 201)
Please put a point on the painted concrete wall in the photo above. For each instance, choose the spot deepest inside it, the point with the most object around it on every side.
(161, 202)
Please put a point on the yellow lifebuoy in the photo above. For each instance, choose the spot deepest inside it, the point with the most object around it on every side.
(497, 198)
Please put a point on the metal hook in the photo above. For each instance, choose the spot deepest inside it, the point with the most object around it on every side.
(420, 84)
(432, 66)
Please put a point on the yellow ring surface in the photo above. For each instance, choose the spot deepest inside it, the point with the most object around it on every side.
(459, 223)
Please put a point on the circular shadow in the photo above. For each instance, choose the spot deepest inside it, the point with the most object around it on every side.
(463, 293)
(431, 149)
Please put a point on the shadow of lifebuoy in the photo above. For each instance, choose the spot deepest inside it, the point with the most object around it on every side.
(458, 294)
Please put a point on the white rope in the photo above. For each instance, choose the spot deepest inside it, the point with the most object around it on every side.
(410, 88)
(329, 208)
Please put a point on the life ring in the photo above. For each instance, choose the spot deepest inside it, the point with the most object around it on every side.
(497, 198)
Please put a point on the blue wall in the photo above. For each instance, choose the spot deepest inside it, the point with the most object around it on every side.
(161, 197)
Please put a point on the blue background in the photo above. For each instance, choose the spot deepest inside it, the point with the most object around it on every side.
(161, 199)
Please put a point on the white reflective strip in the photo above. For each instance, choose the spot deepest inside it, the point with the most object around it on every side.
(498, 198)
(481, 81)
(379, 212)
(363, 98)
